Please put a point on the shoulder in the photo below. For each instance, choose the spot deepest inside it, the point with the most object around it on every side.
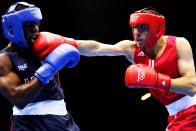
(183, 47)
(182, 43)
(181, 40)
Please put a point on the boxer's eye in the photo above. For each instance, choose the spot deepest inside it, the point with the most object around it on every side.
(31, 24)
(141, 28)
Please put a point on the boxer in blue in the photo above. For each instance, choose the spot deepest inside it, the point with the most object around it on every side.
(30, 85)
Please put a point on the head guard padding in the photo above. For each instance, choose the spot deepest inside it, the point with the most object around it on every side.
(155, 23)
(13, 21)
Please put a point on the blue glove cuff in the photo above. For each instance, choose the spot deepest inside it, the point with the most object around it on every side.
(44, 73)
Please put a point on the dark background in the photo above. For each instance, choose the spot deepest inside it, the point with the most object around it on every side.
(95, 91)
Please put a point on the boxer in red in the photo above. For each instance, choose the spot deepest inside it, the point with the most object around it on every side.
(162, 63)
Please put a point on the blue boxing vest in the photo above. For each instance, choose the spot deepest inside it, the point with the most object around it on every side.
(25, 69)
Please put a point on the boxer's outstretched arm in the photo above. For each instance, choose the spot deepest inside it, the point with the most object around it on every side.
(186, 84)
(94, 48)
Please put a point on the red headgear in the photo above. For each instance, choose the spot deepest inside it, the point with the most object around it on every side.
(155, 23)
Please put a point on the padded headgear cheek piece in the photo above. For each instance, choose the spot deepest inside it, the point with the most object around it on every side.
(13, 21)
(156, 25)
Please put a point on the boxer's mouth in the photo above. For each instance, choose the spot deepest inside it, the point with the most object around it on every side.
(34, 38)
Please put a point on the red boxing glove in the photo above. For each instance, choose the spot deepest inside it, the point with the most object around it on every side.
(47, 42)
(143, 76)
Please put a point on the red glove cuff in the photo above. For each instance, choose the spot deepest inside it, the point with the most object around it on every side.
(70, 41)
(163, 82)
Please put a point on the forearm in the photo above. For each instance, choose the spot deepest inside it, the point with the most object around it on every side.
(88, 47)
(57, 77)
(23, 94)
(27, 92)
(183, 85)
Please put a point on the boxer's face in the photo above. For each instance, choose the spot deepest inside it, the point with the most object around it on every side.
(31, 32)
(140, 33)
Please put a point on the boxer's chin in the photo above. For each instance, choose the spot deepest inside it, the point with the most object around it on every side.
(31, 41)
(141, 44)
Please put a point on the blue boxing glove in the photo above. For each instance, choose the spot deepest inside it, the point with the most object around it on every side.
(64, 55)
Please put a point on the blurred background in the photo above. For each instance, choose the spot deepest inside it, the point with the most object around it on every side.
(95, 92)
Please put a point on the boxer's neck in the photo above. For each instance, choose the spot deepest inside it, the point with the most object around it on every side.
(157, 50)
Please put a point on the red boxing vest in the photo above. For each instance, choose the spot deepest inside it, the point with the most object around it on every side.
(165, 64)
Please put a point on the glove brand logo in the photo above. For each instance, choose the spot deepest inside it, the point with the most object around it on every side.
(141, 75)
(60, 51)
(22, 67)
(163, 83)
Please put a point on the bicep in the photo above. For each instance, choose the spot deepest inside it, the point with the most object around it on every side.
(186, 83)
(8, 82)
(185, 59)
(8, 78)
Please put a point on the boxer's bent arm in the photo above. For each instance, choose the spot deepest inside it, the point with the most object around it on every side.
(186, 84)
(94, 48)
(11, 86)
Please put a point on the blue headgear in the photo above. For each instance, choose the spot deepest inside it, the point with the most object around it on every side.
(13, 21)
